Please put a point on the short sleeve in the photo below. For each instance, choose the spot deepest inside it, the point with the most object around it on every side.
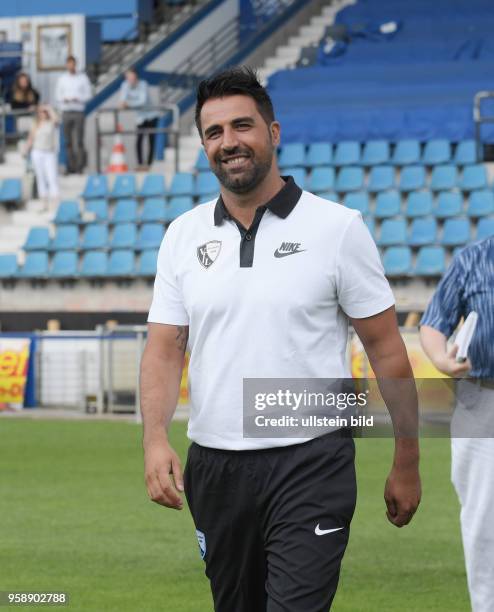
(363, 289)
(167, 305)
(446, 307)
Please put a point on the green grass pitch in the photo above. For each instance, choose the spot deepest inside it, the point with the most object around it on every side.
(74, 516)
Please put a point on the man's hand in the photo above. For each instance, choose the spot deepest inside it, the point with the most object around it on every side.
(161, 461)
(402, 494)
(447, 363)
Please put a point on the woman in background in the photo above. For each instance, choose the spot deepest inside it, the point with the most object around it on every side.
(43, 145)
(23, 96)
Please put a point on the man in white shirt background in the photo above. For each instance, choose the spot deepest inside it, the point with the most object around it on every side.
(73, 90)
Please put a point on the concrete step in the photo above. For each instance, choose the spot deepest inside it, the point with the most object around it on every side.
(277, 63)
(312, 31)
(289, 53)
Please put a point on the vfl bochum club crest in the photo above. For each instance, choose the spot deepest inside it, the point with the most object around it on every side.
(201, 538)
(208, 253)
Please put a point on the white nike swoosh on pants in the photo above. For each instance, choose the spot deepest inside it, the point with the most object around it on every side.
(320, 532)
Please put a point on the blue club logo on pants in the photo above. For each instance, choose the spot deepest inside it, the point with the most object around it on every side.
(201, 538)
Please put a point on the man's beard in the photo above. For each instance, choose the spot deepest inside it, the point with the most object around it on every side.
(250, 178)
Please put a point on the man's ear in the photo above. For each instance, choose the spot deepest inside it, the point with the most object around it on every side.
(275, 131)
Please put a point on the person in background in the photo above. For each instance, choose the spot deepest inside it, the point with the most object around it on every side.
(23, 96)
(42, 144)
(468, 286)
(134, 94)
(72, 91)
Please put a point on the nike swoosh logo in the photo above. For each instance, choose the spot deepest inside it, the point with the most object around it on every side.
(279, 253)
(320, 532)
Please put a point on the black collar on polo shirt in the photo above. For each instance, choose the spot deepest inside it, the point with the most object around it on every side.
(281, 204)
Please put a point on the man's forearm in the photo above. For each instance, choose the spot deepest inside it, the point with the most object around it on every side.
(397, 386)
(160, 387)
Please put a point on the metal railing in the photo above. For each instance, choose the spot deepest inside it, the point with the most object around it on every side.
(213, 53)
(480, 119)
(172, 131)
(19, 131)
(234, 38)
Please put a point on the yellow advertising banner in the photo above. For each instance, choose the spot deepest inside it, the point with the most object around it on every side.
(14, 359)
(184, 389)
(421, 364)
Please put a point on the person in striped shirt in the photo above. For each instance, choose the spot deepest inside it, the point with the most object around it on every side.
(468, 285)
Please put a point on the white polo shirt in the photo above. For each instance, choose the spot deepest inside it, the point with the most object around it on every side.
(269, 302)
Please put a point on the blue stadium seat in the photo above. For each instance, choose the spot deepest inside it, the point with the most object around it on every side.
(182, 184)
(455, 232)
(207, 185)
(96, 187)
(11, 190)
(481, 203)
(347, 153)
(124, 187)
(147, 263)
(154, 210)
(443, 177)
(124, 236)
(8, 265)
(202, 162)
(437, 151)
(423, 231)
(397, 261)
(94, 264)
(292, 154)
(449, 204)
(321, 179)
(38, 239)
(412, 178)
(319, 154)
(431, 261)
(358, 200)
(299, 175)
(125, 211)
(66, 238)
(153, 186)
(485, 228)
(381, 178)
(67, 212)
(406, 152)
(350, 179)
(150, 236)
(329, 195)
(466, 153)
(64, 265)
(393, 232)
(98, 208)
(388, 204)
(35, 266)
(95, 237)
(121, 263)
(419, 204)
(178, 206)
(474, 177)
(375, 152)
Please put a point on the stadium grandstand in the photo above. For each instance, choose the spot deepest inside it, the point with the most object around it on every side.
(385, 106)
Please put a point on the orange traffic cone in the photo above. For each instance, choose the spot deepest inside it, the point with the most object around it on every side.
(117, 157)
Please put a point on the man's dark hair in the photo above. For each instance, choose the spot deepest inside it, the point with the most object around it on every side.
(71, 58)
(241, 80)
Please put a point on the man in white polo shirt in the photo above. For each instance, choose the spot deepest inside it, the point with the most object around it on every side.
(261, 283)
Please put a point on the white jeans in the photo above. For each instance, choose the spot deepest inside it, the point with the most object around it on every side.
(45, 168)
(472, 473)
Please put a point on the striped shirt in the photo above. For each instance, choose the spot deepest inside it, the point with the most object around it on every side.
(468, 285)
